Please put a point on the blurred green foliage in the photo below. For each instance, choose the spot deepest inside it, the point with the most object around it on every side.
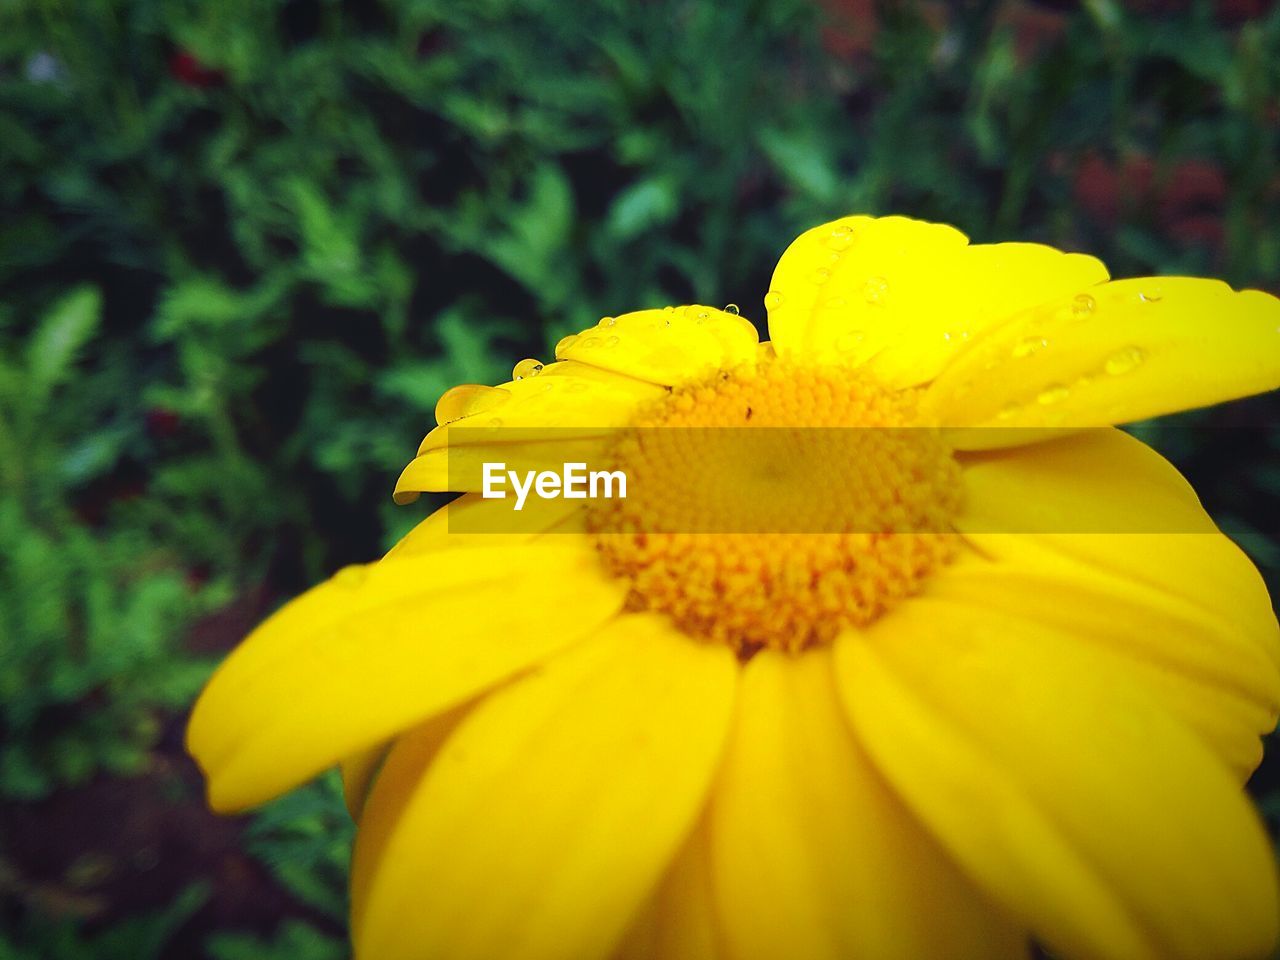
(138, 938)
(90, 616)
(245, 245)
(305, 838)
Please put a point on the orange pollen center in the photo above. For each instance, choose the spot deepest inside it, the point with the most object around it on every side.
(779, 537)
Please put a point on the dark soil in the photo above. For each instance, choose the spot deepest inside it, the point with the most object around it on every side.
(119, 848)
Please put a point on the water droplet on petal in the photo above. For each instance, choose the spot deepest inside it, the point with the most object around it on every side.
(1082, 305)
(668, 309)
(565, 343)
(1029, 345)
(732, 308)
(608, 321)
(1055, 393)
(352, 576)
(850, 341)
(494, 423)
(773, 300)
(703, 316)
(526, 368)
(841, 237)
(1009, 410)
(821, 275)
(1153, 295)
(612, 342)
(1124, 360)
(592, 342)
(875, 290)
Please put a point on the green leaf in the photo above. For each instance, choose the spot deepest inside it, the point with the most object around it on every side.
(54, 347)
(294, 941)
(804, 160)
(643, 206)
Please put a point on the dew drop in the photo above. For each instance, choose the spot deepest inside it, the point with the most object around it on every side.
(576, 386)
(668, 309)
(1009, 410)
(608, 321)
(612, 342)
(1154, 295)
(1082, 305)
(705, 315)
(732, 308)
(494, 423)
(1124, 360)
(1029, 345)
(593, 342)
(352, 576)
(526, 368)
(773, 300)
(850, 341)
(565, 343)
(875, 290)
(1052, 394)
(841, 237)
(821, 275)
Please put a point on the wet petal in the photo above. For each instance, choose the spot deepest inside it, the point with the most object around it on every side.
(904, 296)
(666, 347)
(1119, 352)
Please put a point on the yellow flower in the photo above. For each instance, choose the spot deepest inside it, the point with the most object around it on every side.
(978, 731)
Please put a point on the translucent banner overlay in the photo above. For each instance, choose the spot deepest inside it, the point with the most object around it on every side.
(819, 480)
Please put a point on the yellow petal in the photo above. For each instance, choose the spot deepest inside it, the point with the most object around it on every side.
(813, 856)
(404, 766)
(460, 466)
(546, 418)
(1118, 352)
(472, 521)
(572, 379)
(679, 921)
(1099, 499)
(1097, 481)
(905, 296)
(1183, 613)
(554, 808)
(1217, 682)
(377, 649)
(1068, 793)
(667, 347)
(358, 773)
(545, 401)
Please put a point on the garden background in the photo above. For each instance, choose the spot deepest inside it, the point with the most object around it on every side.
(244, 246)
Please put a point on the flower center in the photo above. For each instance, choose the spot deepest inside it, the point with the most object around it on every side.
(779, 538)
